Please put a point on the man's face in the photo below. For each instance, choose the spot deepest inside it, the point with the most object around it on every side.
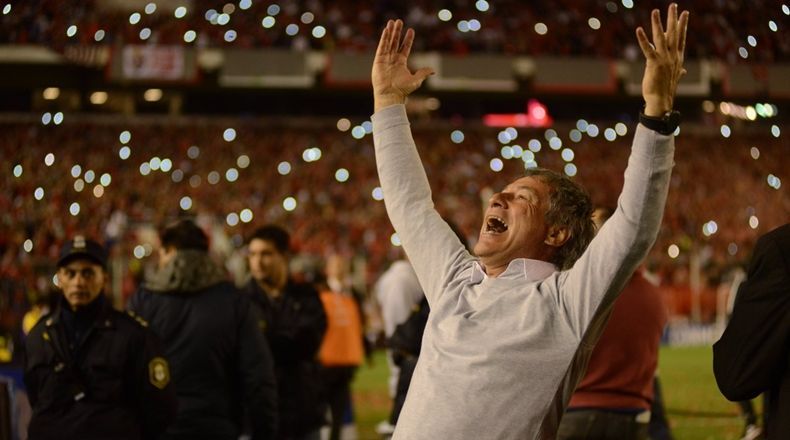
(81, 281)
(267, 265)
(514, 225)
(337, 267)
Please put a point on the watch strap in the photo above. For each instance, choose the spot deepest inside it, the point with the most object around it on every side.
(666, 124)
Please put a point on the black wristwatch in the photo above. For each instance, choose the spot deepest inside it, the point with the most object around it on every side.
(666, 124)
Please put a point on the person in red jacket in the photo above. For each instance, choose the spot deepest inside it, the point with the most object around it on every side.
(613, 399)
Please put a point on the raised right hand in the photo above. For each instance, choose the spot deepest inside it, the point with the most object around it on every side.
(664, 60)
(391, 77)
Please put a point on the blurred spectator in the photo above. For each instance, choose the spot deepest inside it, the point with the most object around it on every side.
(220, 362)
(729, 287)
(344, 345)
(295, 323)
(613, 399)
(506, 26)
(398, 292)
(40, 306)
(405, 344)
(751, 356)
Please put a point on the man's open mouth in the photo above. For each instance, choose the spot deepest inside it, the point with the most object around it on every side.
(495, 225)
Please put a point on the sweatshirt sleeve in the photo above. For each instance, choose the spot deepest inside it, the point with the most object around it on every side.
(433, 249)
(587, 291)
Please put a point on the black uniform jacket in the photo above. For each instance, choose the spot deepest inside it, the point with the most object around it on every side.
(406, 343)
(221, 364)
(113, 384)
(295, 327)
(753, 354)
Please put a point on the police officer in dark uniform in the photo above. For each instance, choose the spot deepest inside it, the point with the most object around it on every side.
(93, 372)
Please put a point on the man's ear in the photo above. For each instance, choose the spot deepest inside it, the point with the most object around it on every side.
(557, 236)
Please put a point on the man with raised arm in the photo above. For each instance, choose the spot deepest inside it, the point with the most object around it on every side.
(511, 328)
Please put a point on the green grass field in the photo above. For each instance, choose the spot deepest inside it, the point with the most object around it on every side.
(696, 409)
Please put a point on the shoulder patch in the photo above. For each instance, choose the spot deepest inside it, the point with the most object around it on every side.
(158, 372)
(139, 320)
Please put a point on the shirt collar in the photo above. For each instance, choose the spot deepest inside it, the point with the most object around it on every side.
(529, 269)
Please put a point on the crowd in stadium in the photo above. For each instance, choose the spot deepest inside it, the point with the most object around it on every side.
(550, 28)
(716, 179)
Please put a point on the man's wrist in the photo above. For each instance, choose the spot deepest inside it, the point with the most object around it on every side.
(656, 110)
(379, 102)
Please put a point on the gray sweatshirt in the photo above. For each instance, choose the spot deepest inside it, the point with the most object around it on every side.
(501, 356)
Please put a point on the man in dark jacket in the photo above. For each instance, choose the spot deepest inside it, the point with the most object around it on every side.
(405, 343)
(752, 355)
(93, 372)
(220, 363)
(295, 326)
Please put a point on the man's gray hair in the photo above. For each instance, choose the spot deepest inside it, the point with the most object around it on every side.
(570, 206)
